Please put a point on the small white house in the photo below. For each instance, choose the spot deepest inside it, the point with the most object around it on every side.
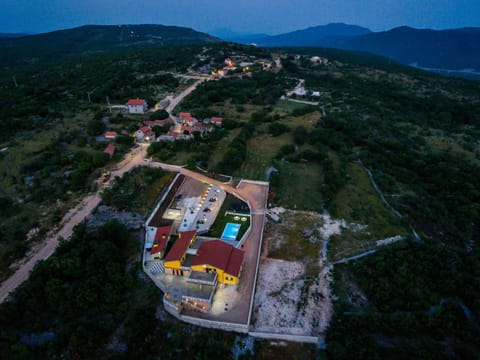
(300, 91)
(137, 106)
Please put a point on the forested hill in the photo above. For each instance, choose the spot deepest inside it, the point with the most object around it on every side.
(94, 38)
(453, 49)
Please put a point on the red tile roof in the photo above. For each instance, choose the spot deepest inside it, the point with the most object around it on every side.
(158, 122)
(134, 102)
(180, 246)
(184, 114)
(187, 128)
(146, 131)
(216, 120)
(235, 263)
(110, 134)
(221, 255)
(161, 237)
(110, 149)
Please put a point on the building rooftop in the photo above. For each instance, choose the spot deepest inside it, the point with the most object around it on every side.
(221, 255)
(133, 102)
(180, 246)
(161, 237)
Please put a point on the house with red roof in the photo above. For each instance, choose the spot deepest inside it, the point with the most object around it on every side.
(145, 134)
(217, 121)
(165, 122)
(137, 106)
(187, 118)
(110, 149)
(177, 254)
(111, 135)
(162, 235)
(221, 258)
(186, 129)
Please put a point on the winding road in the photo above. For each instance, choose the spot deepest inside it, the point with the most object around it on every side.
(85, 207)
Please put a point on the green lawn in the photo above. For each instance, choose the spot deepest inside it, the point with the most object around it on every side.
(230, 205)
(299, 186)
(222, 219)
(261, 151)
(357, 202)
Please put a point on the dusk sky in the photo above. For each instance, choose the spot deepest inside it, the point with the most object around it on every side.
(249, 16)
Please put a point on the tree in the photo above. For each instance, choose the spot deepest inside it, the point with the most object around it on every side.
(159, 115)
(300, 134)
(95, 127)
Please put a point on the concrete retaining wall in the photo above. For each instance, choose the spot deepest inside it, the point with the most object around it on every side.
(219, 325)
(252, 300)
(286, 337)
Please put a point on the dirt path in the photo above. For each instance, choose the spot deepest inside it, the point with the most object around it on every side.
(86, 206)
(72, 218)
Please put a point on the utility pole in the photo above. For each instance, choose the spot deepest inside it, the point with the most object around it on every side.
(89, 93)
(108, 104)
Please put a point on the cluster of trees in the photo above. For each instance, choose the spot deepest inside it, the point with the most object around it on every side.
(201, 147)
(79, 295)
(137, 190)
(263, 88)
(236, 152)
(420, 300)
(74, 302)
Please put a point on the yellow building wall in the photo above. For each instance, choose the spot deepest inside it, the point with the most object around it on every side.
(172, 264)
(222, 277)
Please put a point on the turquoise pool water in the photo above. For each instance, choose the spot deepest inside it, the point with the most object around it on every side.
(231, 231)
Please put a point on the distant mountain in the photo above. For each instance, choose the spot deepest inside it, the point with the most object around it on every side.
(437, 50)
(95, 38)
(229, 35)
(308, 37)
(12, 35)
(442, 49)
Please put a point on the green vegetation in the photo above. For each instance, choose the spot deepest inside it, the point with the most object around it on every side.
(416, 132)
(83, 299)
(413, 300)
(222, 219)
(137, 190)
(357, 202)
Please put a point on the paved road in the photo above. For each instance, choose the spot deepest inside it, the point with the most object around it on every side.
(174, 101)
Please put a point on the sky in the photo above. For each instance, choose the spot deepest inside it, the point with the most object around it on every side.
(242, 16)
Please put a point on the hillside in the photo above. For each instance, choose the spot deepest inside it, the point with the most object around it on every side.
(95, 39)
(388, 151)
(455, 49)
(307, 37)
(446, 49)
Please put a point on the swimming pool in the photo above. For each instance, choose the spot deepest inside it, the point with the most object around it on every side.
(231, 231)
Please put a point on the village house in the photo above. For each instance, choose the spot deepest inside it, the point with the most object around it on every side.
(187, 118)
(110, 149)
(165, 122)
(137, 106)
(145, 134)
(110, 135)
(217, 121)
